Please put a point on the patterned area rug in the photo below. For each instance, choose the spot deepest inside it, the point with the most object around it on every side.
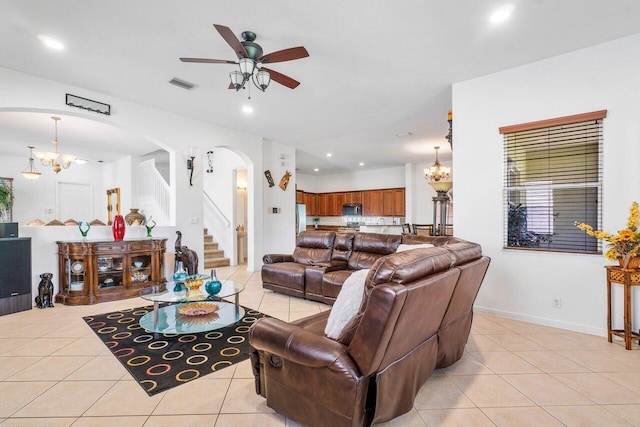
(162, 361)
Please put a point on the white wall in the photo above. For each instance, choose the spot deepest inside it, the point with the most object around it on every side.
(361, 180)
(521, 284)
(282, 225)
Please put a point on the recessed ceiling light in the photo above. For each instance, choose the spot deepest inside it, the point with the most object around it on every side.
(82, 161)
(316, 169)
(247, 109)
(329, 154)
(502, 14)
(361, 164)
(51, 43)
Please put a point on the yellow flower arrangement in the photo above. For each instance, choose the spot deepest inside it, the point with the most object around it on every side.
(625, 244)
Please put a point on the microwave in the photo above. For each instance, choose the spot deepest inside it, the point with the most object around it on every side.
(351, 209)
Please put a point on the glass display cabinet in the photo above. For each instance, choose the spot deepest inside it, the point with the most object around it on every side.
(94, 271)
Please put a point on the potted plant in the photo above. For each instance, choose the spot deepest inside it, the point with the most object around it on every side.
(6, 200)
(316, 221)
(624, 246)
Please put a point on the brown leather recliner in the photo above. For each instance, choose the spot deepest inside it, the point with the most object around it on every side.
(374, 371)
(285, 273)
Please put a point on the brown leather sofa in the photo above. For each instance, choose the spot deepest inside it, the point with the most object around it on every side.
(322, 261)
(415, 316)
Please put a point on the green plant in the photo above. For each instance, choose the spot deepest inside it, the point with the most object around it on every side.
(6, 199)
(517, 233)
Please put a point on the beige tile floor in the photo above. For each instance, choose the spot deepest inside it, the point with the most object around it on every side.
(54, 371)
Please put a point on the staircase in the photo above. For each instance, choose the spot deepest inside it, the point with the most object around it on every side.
(213, 257)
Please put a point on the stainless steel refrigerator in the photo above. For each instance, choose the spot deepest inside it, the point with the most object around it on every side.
(301, 218)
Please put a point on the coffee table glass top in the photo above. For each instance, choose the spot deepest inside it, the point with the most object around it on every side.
(169, 321)
(229, 288)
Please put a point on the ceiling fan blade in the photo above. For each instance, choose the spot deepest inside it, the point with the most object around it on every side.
(232, 40)
(282, 79)
(285, 55)
(207, 61)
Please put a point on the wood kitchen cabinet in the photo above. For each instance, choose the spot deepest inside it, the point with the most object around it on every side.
(354, 197)
(97, 271)
(311, 201)
(398, 201)
(372, 203)
(341, 199)
(299, 196)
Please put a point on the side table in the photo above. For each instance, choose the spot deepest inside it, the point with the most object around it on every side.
(627, 277)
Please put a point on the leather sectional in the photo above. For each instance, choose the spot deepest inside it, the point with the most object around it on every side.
(415, 316)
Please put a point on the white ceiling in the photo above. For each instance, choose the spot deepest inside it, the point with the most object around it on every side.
(375, 69)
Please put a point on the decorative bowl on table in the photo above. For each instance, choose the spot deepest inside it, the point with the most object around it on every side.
(194, 283)
(198, 309)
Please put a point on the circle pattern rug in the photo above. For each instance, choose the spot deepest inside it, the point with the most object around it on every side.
(158, 361)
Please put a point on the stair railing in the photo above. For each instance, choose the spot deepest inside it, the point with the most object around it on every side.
(219, 226)
(155, 192)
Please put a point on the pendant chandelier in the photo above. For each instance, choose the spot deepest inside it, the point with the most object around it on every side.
(30, 172)
(56, 160)
(437, 172)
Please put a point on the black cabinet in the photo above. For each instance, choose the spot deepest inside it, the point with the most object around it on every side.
(15, 275)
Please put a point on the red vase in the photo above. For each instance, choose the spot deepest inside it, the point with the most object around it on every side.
(118, 227)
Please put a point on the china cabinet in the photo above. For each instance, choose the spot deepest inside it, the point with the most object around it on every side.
(95, 271)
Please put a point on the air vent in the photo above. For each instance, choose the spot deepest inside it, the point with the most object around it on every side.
(181, 83)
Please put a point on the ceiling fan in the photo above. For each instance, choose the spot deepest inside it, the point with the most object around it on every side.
(251, 61)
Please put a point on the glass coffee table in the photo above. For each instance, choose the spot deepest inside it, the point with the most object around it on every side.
(167, 319)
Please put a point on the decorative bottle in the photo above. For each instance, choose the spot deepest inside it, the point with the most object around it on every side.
(213, 285)
(179, 276)
(118, 227)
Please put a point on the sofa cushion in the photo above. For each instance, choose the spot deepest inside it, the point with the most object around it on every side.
(342, 247)
(369, 247)
(288, 274)
(313, 247)
(332, 282)
(347, 303)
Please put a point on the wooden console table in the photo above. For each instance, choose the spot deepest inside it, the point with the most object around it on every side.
(96, 271)
(627, 277)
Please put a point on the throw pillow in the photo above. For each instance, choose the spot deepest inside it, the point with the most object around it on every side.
(403, 247)
(347, 303)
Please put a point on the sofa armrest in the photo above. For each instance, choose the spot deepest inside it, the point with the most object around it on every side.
(296, 344)
(274, 258)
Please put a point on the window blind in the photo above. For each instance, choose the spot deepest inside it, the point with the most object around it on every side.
(553, 178)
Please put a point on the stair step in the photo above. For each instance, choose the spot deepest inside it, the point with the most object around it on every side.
(213, 253)
(216, 262)
(208, 238)
(210, 245)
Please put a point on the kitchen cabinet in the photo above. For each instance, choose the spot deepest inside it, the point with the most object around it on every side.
(299, 196)
(398, 201)
(355, 197)
(96, 271)
(311, 201)
(372, 203)
(341, 199)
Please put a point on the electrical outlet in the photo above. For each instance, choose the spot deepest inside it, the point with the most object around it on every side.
(556, 302)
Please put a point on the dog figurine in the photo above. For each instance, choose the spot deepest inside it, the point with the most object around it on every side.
(44, 298)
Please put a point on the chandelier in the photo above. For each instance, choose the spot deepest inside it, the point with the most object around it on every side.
(437, 172)
(55, 159)
(30, 172)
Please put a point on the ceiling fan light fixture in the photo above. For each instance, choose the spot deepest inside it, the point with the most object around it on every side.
(247, 66)
(237, 80)
(263, 78)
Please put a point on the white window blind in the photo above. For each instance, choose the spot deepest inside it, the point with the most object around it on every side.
(552, 178)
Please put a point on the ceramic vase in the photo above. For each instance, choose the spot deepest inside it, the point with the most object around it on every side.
(134, 217)
(118, 227)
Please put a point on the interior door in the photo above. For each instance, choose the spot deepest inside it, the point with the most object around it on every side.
(75, 201)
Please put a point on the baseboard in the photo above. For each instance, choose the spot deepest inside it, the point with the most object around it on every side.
(575, 327)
